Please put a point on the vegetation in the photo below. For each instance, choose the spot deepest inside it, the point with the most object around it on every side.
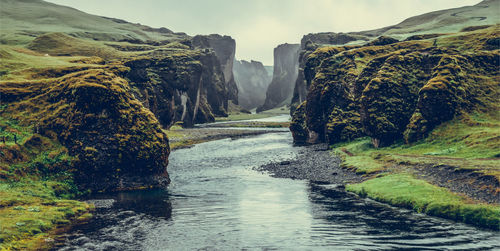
(404, 190)
(470, 143)
(35, 189)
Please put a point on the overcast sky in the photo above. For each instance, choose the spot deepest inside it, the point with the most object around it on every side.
(260, 25)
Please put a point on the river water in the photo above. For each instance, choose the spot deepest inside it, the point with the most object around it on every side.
(216, 201)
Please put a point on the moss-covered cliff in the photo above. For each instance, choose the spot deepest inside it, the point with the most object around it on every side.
(392, 90)
(179, 85)
(114, 142)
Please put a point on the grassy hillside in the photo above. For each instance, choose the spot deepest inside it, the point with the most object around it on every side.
(23, 20)
(453, 20)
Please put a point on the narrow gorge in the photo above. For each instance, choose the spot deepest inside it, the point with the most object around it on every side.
(118, 135)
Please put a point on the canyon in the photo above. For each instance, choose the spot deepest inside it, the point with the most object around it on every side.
(90, 105)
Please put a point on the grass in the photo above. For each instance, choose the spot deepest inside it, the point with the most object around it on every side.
(469, 142)
(237, 116)
(31, 210)
(406, 191)
(36, 189)
(359, 155)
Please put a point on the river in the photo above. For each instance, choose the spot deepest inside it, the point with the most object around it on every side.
(216, 201)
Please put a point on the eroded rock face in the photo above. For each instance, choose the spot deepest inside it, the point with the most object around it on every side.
(180, 85)
(116, 143)
(392, 91)
(285, 73)
(252, 80)
(308, 44)
(225, 49)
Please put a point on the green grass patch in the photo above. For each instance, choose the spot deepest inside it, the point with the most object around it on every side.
(32, 209)
(406, 191)
(469, 142)
(359, 155)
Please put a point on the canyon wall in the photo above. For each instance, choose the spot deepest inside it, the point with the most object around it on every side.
(390, 90)
(285, 72)
(112, 90)
(252, 80)
(225, 49)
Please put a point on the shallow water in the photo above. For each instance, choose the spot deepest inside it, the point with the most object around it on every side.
(217, 201)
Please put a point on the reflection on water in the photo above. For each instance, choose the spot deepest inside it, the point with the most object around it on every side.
(216, 201)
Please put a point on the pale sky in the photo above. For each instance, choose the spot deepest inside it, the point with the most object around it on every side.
(260, 25)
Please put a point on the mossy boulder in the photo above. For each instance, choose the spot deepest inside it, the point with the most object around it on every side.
(298, 125)
(115, 142)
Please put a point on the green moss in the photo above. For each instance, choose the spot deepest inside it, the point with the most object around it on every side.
(32, 208)
(404, 190)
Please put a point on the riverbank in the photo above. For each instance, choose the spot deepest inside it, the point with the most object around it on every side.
(186, 137)
(443, 176)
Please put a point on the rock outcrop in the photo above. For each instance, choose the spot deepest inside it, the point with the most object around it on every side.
(308, 44)
(114, 141)
(425, 26)
(108, 99)
(225, 49)
(180, 85)
(285, 72)
(252, 80)
(395, 90)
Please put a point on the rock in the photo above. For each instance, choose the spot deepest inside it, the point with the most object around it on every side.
(382, 40)
(116, 143)
(183, 85)
(393, 91)
(252, 80)
(285, 73)
(225, 49)
(308, 44)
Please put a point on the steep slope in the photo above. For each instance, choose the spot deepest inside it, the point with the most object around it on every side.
(285, 72)
(114, 142)
(179, 85)
(252, 80)
(111, 87)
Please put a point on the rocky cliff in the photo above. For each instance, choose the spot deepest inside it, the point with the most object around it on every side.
(179, 85)
(308, 44)
(285, 72)
(425, 26)
(252, 80)
(99, 92)
(225, 49)
(114, 141)
(391, 90)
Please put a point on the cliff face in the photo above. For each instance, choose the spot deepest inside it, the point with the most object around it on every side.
(252, 80)
(114, 141)
(285, 72)
(180, 85)
(393, 90)
(308, 44)
(225, 49)
(90, 96)
(425, 26)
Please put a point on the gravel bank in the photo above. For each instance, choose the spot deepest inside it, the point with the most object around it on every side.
(314, 163)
